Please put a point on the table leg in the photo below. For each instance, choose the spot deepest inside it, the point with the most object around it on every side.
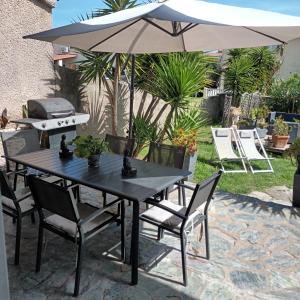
(135, 242)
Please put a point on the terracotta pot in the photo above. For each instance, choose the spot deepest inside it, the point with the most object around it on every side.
(280, 141)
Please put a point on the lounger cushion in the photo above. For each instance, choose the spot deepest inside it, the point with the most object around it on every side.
(222, 133)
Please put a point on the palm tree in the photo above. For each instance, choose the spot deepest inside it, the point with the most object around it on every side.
(97, 67)
(176, 79)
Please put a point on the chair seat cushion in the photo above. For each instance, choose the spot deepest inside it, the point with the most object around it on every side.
(25, 205)
(163, 217)
(70, 227)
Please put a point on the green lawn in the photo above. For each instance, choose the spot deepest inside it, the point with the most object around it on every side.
(240, 183)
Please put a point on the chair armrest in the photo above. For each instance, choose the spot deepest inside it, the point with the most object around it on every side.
(72, 186)
(16, 172)
(24, 197)
(170, 210)
(185, 186)
(99, 212)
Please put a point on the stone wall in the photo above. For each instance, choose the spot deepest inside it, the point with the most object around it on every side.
(26, 71)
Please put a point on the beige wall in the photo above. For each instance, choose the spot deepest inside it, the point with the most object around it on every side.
(290, 60)
(25, 70)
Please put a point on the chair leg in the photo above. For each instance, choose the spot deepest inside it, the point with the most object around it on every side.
(160, 233)
(206, 238)
(104, 199)
(78, 269)
(14, 220)
(18, 240)
(123, 233)
(179, 195)
(32, 216)
(39, 249)
(183, 259)
(183, 195)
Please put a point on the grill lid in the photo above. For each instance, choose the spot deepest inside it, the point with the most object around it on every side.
(50, 108)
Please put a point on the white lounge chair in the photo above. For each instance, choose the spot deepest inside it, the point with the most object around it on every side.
(247, 140)
(223, 143)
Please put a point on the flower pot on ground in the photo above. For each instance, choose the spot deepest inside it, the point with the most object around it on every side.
(262, 132)
(89, 147)
(190, 161)
(280, 134)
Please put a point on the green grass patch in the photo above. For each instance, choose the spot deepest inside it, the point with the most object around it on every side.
(240, 182)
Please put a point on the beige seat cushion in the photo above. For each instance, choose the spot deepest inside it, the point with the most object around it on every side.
(164, 217)
(25, 204)
(71, 227)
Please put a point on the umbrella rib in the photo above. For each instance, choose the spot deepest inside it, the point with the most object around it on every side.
(187, 27)
(115, 33)
(266, 35)
(159, 27)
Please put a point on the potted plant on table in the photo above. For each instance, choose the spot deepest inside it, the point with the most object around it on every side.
(280, 134)
(89, 147)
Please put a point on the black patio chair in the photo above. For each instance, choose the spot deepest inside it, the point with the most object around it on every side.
(16, 204)
(179, 219)
(74, 222)
(21, 142)
(118, 144)
(169, 156)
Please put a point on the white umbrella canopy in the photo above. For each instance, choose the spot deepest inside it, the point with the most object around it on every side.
(177, 26)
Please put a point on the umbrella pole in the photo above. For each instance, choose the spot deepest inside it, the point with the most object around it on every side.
(131, 94)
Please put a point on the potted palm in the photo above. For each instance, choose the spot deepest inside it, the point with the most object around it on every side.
(89, 147)
(280, 134)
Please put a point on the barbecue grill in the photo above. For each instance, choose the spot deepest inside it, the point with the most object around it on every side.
(53, 117)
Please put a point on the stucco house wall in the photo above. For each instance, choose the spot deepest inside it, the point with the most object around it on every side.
(26, 71)
(290, 60)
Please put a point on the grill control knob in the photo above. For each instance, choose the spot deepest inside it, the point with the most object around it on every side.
(44, 125)
(58, 123)
(67, 122)
(73, 120)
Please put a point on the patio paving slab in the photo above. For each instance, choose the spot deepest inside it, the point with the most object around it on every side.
(255, 249)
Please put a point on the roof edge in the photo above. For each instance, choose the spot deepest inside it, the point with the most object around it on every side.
(49, 3)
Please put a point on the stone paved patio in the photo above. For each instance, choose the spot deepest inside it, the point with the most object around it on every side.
(255, 250)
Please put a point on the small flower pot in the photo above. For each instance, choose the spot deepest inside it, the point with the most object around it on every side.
(189, 164)
(280, 141)
(93, 161)
(262, 132)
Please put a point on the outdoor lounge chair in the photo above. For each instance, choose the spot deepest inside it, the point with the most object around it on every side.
(247, 140)
(74, 222)
(16, 204)
(179, 219)
(223, 143)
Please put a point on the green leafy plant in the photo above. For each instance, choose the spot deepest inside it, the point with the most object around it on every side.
(176, 79)
(86, 146)
(191, 120)
(144, 132)
(280, 127)
(285, 95)
(293, 151)
(259, 115)
(245, 123)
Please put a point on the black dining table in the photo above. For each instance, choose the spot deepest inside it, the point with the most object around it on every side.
(150, 179)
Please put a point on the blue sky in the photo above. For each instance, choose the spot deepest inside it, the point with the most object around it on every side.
(67, 10)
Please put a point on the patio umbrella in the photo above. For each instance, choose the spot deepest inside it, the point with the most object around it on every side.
(176, 26)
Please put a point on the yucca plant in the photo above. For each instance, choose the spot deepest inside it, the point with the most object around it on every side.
(176, 79)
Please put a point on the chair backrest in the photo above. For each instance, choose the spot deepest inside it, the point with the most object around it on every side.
(53, 198)
(203, 193)
(6, 189)
(20, 142)
(223, 142)
(118, 144)
(247, 140)
(166, 155)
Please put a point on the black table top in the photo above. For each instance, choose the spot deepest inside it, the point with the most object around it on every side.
(150, 179)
